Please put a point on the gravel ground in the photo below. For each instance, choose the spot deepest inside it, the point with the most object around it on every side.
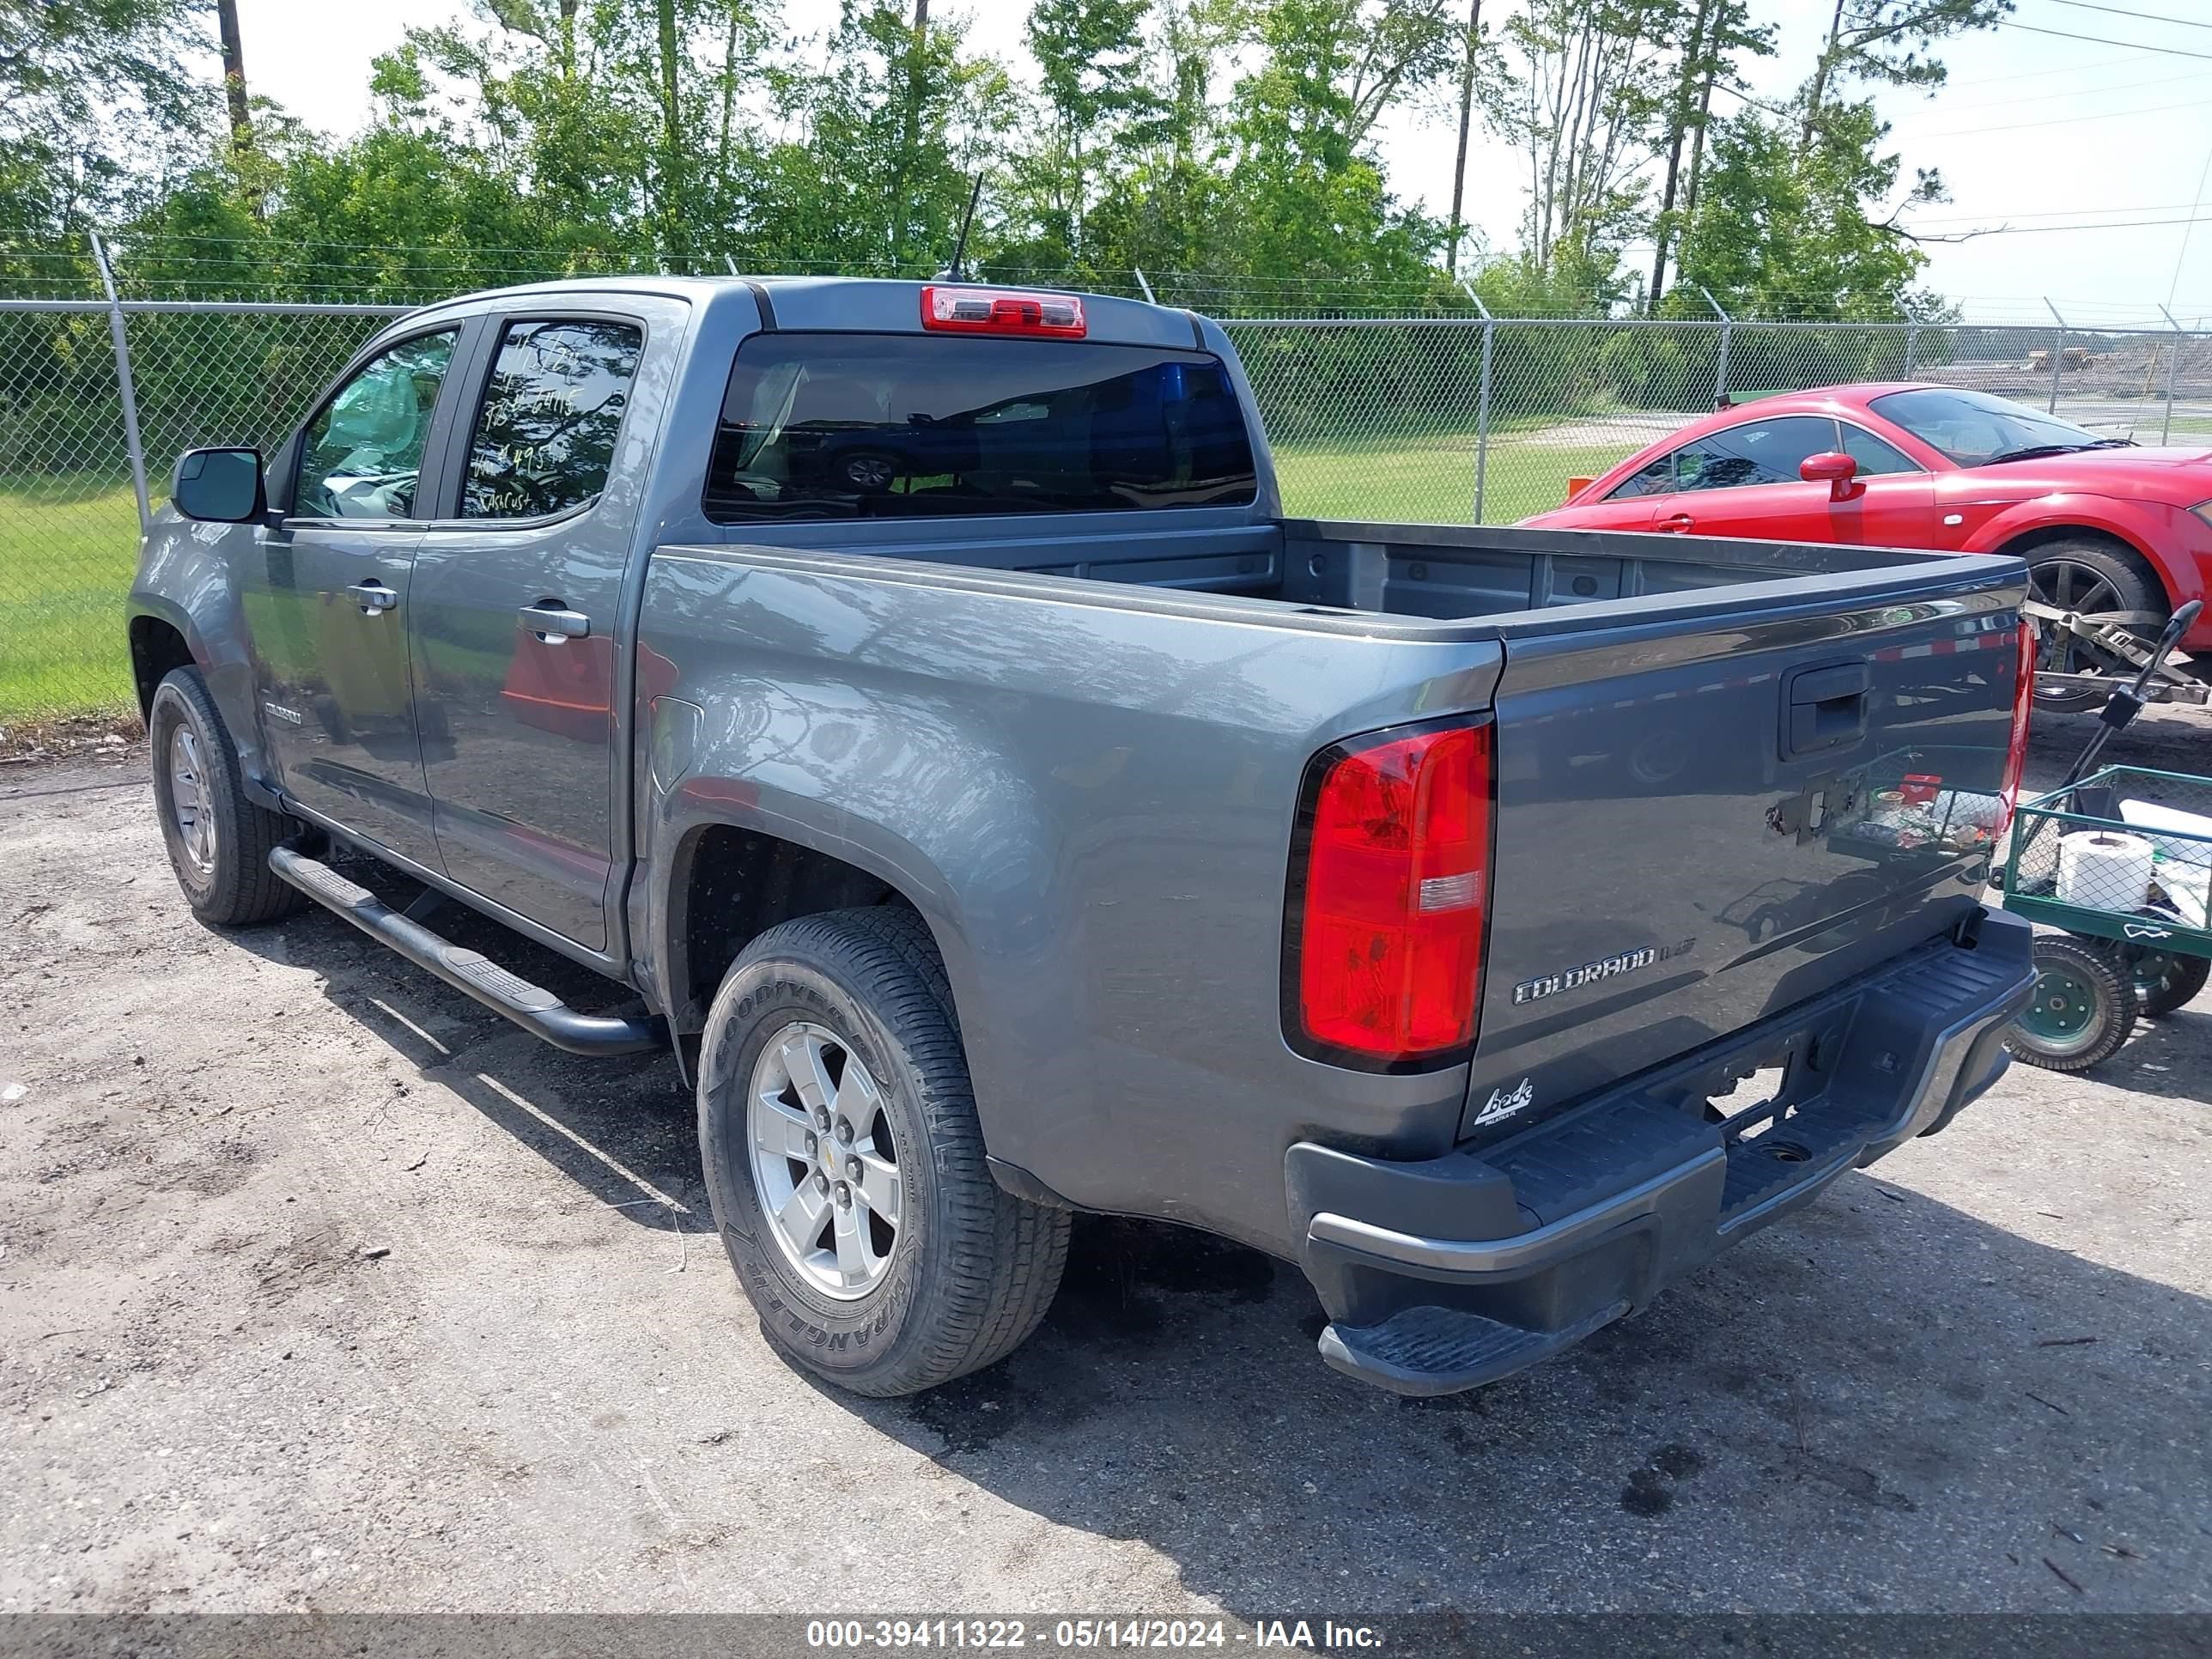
(323, 1289)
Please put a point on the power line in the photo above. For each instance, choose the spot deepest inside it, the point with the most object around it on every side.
(2059, 120)
(2041, 73)
(2082, 92)
(2064, 120)
(2059, 213)
(2103, 40)
(2121, 11)
(2036, 230)
(2203, 174)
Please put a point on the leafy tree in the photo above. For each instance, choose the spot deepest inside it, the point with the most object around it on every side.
(1092, 58)
(1781, 230)
(99, 106)
(1719, 31)
(1583, 103)
(896, 119)
(1890, 43)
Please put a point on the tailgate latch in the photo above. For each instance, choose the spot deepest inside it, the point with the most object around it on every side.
(1823, 708)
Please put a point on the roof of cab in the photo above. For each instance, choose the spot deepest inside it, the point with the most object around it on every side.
(857, 304)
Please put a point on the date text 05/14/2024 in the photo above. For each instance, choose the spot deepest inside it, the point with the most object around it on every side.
(853, 1635)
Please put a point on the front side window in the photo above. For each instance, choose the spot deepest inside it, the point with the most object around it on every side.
(362, 456)
(545, 437)
(1874, 456)
(1757, 452)
(857, 426)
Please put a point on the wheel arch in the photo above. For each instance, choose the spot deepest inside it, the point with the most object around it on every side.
(726, 881)
(159, 646)
(2028, 541)
(2131, 529)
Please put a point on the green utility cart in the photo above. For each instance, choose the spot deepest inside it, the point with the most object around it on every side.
(2121, 861)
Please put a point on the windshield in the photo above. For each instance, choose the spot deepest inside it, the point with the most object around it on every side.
(1973, 429)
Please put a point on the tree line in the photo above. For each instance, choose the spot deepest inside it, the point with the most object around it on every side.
(1227, 148)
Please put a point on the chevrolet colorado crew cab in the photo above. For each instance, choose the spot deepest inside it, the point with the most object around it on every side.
(916, 697)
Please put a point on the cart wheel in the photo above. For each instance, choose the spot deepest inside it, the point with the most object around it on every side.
(2082, 1009)
(2166, 980)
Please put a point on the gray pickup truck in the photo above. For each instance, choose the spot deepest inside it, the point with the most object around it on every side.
(916, 697)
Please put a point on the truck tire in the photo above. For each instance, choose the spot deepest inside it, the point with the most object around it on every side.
(2088, 575)
(218, 840)
(845, 1164)
(2082, 1009)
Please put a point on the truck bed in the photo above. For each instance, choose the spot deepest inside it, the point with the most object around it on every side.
(1437, 571)
(1134, 714)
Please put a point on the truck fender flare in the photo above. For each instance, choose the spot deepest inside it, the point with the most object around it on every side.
(699, 805)
(230, 680)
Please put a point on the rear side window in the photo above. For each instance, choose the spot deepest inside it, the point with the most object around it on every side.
(1757, 452)
(545, 435)
(886, 425)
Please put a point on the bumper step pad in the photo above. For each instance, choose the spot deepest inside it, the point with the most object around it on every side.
(1433, 1351)
(1619, 1196)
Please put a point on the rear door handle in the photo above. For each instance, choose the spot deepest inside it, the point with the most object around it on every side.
(1677, 524)
(553, 623)
(373, 597)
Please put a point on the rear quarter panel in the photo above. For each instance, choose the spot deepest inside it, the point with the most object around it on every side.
(1088, 794)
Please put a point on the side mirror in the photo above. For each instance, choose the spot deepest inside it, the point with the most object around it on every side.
(219, 486)
(1836, 470)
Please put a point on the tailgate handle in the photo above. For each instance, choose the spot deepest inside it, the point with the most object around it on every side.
(1824, 708)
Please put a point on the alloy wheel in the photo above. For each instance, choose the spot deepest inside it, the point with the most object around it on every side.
(190, 809)
(824, 1162)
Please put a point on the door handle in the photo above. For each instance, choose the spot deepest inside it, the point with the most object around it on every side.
(373, 597)
(553, 623)
(1825, 708)
(1677, 524)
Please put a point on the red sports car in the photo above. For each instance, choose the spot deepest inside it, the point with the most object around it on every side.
(2105, 525)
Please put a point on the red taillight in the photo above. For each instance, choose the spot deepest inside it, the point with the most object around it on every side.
(1387, 920)
(1002, 311)
(2023, 703)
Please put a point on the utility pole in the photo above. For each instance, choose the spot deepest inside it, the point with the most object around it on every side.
(234, 77)
(1466, 119)
(1692, 51)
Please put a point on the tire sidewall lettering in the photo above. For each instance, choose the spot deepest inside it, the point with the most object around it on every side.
(761, 1009)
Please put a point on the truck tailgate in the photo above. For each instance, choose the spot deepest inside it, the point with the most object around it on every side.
(1703, 821)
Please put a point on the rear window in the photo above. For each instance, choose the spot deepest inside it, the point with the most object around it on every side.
(887, 426)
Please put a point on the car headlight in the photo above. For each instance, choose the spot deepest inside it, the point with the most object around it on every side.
(2203, 510)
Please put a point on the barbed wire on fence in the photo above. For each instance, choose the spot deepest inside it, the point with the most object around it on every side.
(1439, 418)
(255, 269)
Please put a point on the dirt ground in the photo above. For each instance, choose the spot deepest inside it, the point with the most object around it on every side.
(323, 1289)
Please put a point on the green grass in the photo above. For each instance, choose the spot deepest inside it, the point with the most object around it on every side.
(1431, 481)
(68, 542)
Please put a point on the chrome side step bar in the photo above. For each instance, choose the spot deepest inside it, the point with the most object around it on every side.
(533, 1007)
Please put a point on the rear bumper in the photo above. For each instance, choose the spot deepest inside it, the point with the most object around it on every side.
(1445, 1275)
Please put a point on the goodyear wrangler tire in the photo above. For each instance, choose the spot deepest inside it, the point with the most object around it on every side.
(217, 839)
(845, 1165)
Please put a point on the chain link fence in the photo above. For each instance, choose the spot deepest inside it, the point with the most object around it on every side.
(1440, 419)
(72, 450)
(1461, 420)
